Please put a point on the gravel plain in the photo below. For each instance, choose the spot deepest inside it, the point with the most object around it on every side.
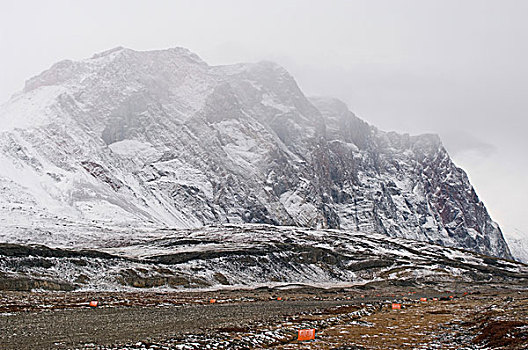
(247, 319)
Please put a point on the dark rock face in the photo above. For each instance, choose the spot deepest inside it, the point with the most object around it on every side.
(400, 185)
(163, 138)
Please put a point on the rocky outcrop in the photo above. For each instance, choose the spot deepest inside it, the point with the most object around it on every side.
(250, 256)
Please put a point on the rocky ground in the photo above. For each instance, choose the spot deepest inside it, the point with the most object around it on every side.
(344, 318)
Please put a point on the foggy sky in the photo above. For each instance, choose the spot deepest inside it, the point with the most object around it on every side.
(455, 68)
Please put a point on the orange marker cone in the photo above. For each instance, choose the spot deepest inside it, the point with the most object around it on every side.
(306, 334)
(94, 303)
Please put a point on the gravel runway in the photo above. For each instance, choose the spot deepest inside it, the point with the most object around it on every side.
(491, 318)
(69, 328)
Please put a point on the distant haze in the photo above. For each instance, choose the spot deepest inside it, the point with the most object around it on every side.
(456, 68)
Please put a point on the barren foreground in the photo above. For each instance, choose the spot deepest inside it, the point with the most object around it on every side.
(343, 318)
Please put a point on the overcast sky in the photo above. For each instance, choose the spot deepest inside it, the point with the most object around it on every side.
(456, 68)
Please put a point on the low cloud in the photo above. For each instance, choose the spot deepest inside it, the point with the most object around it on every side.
(459, 141)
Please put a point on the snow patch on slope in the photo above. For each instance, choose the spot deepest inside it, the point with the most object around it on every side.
(297, 207)
(29, 110)
(142, 152)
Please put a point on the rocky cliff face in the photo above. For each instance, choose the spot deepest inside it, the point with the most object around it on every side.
(128, 139)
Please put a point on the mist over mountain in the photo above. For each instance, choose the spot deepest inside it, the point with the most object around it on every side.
(517, 242)
(130, 139)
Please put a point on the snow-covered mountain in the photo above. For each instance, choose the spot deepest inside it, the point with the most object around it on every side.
(130, 139)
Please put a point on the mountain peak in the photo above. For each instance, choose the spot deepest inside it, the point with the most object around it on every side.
(109, 52)
(107, 63)
(176, 51)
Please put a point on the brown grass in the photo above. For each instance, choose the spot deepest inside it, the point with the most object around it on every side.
(503, 334)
